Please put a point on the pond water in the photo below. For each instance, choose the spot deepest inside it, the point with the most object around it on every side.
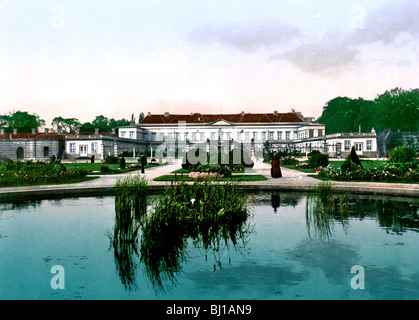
(284, 252)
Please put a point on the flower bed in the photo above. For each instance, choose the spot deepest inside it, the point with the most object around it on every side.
(386, 173)
(205, 175)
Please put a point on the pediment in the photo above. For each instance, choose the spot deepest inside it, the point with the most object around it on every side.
(221, 122)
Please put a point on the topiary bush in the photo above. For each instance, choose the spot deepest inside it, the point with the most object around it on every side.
(317, 159)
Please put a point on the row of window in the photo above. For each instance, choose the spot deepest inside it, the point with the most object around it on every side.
(358, 146)
(93, 147)
(194, 136)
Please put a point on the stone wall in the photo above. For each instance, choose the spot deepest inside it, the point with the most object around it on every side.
(33, 149)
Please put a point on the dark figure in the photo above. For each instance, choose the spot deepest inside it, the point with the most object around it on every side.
(276, 169)
(143, 161)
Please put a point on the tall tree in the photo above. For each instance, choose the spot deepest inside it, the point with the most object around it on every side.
(69, 125)
(21, 120)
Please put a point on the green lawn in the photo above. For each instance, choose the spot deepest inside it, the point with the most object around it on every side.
(94, 168)
(243, 177)
(337, 164)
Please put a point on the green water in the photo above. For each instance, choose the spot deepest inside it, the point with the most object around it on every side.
(283, 253)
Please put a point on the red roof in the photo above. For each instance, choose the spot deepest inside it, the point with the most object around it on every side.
(210, 118)
(25, 135)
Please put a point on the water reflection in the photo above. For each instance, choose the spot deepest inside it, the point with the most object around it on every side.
(157, 238)
(203, 215)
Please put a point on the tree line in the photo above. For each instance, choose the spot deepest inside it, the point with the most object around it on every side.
(396, 109)
(23, 121)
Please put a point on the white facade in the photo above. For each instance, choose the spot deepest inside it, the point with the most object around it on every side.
(282, 133)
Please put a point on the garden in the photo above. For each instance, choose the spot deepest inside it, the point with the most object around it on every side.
(110, 165)
(20, 173)
(402, 166)
(235, 165)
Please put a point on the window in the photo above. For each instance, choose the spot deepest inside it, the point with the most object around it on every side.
(153, 136)
(122, 134)
(369, 145)
(347, 145)
(279, 135)
(94, 147)
(310, 133)
(161, 136)
(145, 136)
(358, 146)
(193, 138)
(239, 136)
(185, 135)
(220, 135)
(212, 135)
(131, 135)
(247, 136)
(228, 135)
(72, 147)
(263, 136)
(202, 134)
(320, 132)
(287, 135)
(255, 136)
(170, 136)
(177, 136)
(46, 151)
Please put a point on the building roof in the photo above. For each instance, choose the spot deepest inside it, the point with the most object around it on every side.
(210, 118)
(25, 135)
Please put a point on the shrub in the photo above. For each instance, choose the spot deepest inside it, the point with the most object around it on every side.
(123, 163)
(105, 169)
(354, 157)
(110, 160)
(402, 154)
(317, 159)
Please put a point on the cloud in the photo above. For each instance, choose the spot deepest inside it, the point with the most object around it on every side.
(329, 53)
(248, 39)
(388, 22)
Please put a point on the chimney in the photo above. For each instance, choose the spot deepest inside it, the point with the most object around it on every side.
(2, 131)
(148, 113)
(14, 130)
(242, 113)
(113, 130)
(96, 131)
(33, 130)
(275, 112)
(46, 132)
(166, 114)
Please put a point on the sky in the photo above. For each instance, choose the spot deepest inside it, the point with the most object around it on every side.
(84, 58)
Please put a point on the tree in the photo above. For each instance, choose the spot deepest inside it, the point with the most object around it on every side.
(21, 120)
(396, 109)
(102, 123)
(69, 125)
(141, 117)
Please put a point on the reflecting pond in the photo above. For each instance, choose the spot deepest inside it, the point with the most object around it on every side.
(288, 246)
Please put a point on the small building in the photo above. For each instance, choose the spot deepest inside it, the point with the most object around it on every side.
(339, 145)
(82, 146)
(31, 146)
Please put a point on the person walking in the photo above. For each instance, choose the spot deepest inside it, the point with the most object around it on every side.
(143, 160)
(276, 169)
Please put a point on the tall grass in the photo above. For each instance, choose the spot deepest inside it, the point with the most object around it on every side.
(323, 208)
(207, 214)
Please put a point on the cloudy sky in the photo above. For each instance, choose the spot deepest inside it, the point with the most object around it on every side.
(83, 58)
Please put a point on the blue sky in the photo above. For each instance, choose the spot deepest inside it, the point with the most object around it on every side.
(117, 58)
